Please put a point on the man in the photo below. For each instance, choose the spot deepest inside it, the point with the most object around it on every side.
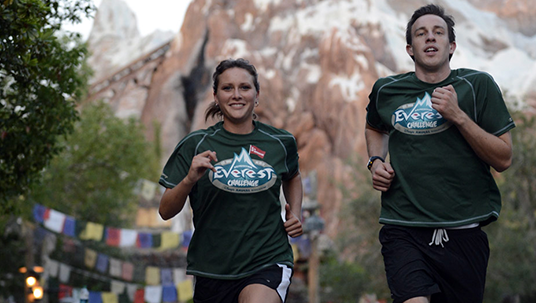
(442, 129)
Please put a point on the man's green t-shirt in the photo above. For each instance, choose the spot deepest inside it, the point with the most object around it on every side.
(439, 180)
(237, 210)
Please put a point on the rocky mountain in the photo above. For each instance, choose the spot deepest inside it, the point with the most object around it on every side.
(317, 62)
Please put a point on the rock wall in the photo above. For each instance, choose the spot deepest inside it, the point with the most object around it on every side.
(317, 61)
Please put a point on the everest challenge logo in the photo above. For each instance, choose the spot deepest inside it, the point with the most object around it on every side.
(243, 174)
(419, 118)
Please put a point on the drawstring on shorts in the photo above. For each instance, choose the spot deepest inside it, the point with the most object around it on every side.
(439, 236)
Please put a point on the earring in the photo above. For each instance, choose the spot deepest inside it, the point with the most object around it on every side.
(216, 104)
(256, 103)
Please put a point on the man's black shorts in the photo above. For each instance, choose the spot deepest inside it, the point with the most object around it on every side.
(454, 272)
(209, 290)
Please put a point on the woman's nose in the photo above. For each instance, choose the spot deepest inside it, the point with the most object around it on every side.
(236, 93)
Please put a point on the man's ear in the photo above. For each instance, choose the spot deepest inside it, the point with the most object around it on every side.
(409, 50)
(452, 47)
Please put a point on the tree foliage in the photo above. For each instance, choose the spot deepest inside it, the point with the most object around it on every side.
(341, 281)
(511, 271)
(95, 175)
(357, 240)
(41, 78)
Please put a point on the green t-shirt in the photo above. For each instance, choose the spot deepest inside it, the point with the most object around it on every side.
(439, 180)
(236, 211)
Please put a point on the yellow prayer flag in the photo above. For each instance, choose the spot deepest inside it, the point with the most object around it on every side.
(152, 275)
(170, 240)
(143, 217)
(295, 252)
(157, 220)
(148, 190)
(93, 231)
(185, 290)
(109, 297)
(90, 258)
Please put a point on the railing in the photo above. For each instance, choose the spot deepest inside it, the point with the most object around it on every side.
(103, 84)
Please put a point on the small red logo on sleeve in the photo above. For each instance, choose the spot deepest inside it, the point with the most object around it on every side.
(257, 151)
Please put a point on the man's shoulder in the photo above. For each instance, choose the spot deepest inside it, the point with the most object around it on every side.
(394, 79)
(472, 74)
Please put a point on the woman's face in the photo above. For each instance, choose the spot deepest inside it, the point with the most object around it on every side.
(236, 96)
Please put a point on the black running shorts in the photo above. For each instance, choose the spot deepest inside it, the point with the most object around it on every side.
(454, 272)
(207, 290)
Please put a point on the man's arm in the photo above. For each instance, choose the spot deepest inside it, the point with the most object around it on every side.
(496, 151)
(377, 145)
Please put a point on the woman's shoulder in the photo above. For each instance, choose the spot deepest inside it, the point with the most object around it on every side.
(272, 130)
(197, 135)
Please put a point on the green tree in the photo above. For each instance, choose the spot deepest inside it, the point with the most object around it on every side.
(357, 242)
(41, 78)
(98, 169)
(512, 238)
(93, 178)
(341, 281)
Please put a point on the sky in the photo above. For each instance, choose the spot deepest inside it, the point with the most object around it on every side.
(166, 15)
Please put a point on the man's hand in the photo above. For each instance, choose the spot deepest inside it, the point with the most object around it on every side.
(445, 101)
(382, 175)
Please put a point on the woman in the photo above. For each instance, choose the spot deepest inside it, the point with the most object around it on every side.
(232, 173)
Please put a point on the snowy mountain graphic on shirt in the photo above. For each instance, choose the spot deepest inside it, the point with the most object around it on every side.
(241, 174)
(419, 118)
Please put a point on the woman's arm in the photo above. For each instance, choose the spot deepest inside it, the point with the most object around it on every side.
(173, 200)
(293, 191)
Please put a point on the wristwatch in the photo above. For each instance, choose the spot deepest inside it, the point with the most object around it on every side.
(372, 159)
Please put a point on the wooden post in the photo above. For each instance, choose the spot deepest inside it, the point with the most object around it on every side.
(313, 269)
(27, 234)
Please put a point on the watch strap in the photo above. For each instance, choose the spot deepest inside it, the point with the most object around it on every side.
(372, 159)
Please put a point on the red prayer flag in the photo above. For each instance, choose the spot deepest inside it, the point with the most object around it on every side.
(113, 236)
(65, 291)
(139, 296)
(127, 271)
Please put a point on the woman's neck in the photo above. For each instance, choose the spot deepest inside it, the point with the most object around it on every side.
(240, 129)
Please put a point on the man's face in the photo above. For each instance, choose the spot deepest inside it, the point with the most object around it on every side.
(430, 43)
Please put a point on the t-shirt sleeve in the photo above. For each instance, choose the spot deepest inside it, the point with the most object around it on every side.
(493, 115)
(292, 157)
(177, 165)
(373, 117)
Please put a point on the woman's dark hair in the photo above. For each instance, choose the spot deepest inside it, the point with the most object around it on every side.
(214, 109)
(431, 9)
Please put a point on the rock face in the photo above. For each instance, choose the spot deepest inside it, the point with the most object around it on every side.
(115, 40)
(317, 61)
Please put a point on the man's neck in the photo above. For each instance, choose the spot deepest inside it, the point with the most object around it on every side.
(432, 76)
